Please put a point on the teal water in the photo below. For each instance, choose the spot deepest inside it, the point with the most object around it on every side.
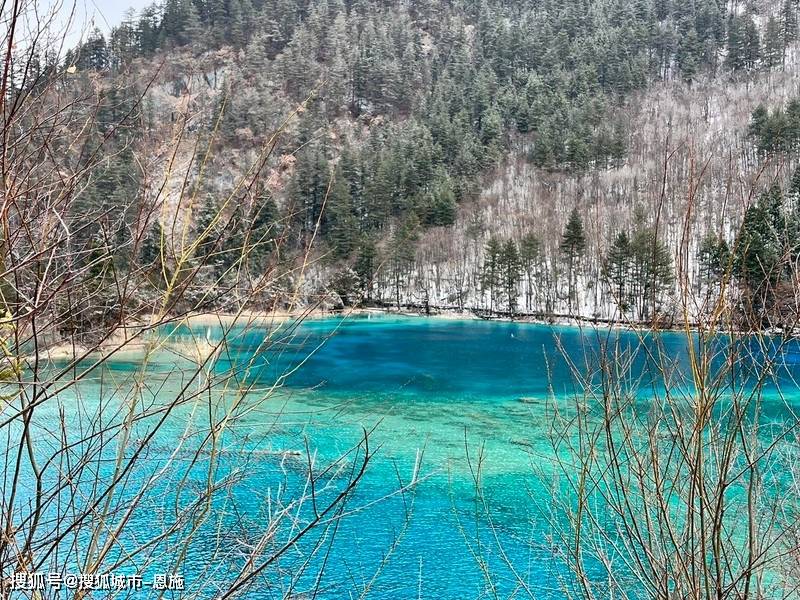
(441, 399)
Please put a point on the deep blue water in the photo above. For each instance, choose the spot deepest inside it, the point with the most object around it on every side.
(438, 397)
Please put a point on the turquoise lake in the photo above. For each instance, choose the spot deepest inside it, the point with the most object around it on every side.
(435, 395)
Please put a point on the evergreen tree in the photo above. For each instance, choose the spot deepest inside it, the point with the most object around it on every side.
(788, 25)
(773, 44)
(220, 22)
(573, 245)
(752, 45)
(651, 272)
(617, 269)
(689, 54)
(265, 228)
(192, 28)
(793, 193)
(402, 250)
(153, 256)
(206, 232)
(713, 259)
(736, 56)
(758, 121)
(237, 25)
(511, 274)
(366, 265)
(341, 225)
(755, 262)
(529, 252)
(94, 53)
(147, 31)
(491, 276)
(309, 188)
(439, 203)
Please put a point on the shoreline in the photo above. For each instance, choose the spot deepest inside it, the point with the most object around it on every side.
(443, 314)
(121, 344)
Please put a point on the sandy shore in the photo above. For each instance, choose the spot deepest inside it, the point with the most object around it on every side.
(248, 317)
(127, 342)
(261, 318)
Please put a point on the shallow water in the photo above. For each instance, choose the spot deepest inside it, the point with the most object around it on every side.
(441, 399)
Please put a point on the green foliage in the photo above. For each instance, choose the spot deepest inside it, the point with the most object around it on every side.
(766, 252)
(651, 271)
(491, 275)
(788, 21)
(511, 273)
(778, 130)
(573, 241)
(341, 225)
(773, 44)
(759, 248)
(401, 251)
(153, 256)
(266, 227)
(439, 203)
(617, 270)
(638, 271)
(714, 257)
(573, 246)
(309, 188)
(488, 71)
(366, 266)
(530, 255)
(414, 103)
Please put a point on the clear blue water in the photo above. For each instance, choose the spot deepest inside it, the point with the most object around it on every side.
(438, 397)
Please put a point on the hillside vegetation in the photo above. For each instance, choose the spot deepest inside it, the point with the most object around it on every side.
(588, 158)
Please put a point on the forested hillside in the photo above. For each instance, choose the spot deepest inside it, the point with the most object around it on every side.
(538, 157)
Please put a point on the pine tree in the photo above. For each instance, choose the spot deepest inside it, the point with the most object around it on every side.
(171, 23)
(236, 24)
(220, 22)
(266, 228)
(573, 245)
(192, 28)
(792, 132)
(735, 58)
(440, 202)
(341, 226)
(152, 256)
(491, 132)
(773, 44)
(755, 262)
(402, 251)
(529, 252)
(793, 193)
(309, 188)
(652, 271)
(367, 265)
(492, 270)
(788, 25)
(94, 53)
(689, 54)
(617, 269)
(758, 122)
(122, 42)
(752, 45)
(147, 31)
(713, 258)
(511, 274)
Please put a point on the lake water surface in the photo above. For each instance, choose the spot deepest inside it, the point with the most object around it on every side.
(448, 403)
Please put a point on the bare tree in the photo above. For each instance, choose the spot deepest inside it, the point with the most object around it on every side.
(671, 479)
(109, 470)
